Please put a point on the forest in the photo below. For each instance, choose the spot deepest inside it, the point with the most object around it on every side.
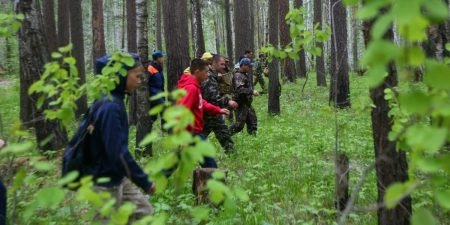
(347, 112)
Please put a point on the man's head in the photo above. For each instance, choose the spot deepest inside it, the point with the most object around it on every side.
(199, 69)
(248, 54)
(208, 57)
(127, 83)
(219, 64)
(245, 65)
(262, 57)
(158, 57)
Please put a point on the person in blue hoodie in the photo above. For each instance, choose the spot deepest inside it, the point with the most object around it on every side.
(109, 144)
(156, 81)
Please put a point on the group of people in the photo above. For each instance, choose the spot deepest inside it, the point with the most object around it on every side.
(205, 98)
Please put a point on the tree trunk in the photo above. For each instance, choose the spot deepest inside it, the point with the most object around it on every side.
(274, 81)
(33, 55)
(144, 121)
(320, 62)
(301, 63)
(76, 34)
(197, 29)
(356, 30)
(340, 87)
(98, 36)
(159, 24)
(229, 32)
(50, 25)
(176, 35)
(63, 23)
(242, 30)
(391, 165)
(132, 47)
(287, 64)
(216, 29)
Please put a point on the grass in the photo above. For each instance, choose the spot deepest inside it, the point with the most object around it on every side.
(287, 169)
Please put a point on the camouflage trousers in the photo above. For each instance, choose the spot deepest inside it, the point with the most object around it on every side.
(217, 125)
(259, 78)
(245, 114)
(128, 192)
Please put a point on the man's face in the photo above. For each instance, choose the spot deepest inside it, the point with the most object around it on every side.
(245, 68)
(160, 60)
(201, 75)
(250, 55)
(134, 78)
(220, 65)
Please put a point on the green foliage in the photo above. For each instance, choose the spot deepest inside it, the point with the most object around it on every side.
(302, 38)
(10, 24)
(420, 110)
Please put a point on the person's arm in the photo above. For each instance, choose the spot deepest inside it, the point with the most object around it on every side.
(210, 108)
(210, 92)
(116, 146)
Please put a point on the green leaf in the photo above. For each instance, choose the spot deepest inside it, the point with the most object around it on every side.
(68, 178)
(415, 102)
(241, 194)
(422, 216)
(381, 25)
(218, 175)
(436, 10)
(428, 138)
(443, 198)
(437, 75)
(350, 2)
(375, 76)
(200, 213)
(394, 194)
(149, 138)
(56, 55)
(50, 197)
(156, 109)
(428, 165)
(66, 49)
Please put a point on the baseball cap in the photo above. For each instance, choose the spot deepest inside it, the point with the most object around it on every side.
(157, 54)
(207, 56)
(245, 61)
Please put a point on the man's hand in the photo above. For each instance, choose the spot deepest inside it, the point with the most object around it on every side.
(225, 112)
(255, 93)
(232, 104)
(152, 189)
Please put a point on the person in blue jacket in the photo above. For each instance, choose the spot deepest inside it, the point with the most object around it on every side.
(156, 81)
(109, 144)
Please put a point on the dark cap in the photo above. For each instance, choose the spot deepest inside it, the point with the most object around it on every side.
(101, 62)
(157, 54)
(245, 61)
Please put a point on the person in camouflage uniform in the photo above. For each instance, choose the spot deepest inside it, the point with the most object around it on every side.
(212, 94)
(243, 94)
(261, 66)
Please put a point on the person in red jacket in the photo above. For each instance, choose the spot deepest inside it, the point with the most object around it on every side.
(195, 103)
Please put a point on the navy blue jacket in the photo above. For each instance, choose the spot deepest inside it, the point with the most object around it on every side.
(2, 204)
(155, 81)
(109, 142)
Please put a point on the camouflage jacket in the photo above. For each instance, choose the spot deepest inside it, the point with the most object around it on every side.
(243, 88)
(211, 91)
(260, 65)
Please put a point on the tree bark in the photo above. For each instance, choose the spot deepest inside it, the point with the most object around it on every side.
(159, 24)
(98, 34)
(132, 47)
(33, 55)
(76, 34)
(301, 63)
(63, 22)
(229, 32)
(50, 25)
(176, 35)
(391, 165)
(144, 121)
(320, 62)
(340, 87)
(287, 64)
(197, 29)
(274, 81)
(242, 30)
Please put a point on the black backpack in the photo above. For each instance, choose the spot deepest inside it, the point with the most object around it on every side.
(77, 153)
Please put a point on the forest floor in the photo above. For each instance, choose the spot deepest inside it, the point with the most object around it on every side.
(287, 169)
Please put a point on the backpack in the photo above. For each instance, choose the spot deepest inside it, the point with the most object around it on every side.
(226, 83)
(76, 155)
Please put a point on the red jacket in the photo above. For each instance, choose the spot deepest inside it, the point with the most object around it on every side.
(194, 102)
